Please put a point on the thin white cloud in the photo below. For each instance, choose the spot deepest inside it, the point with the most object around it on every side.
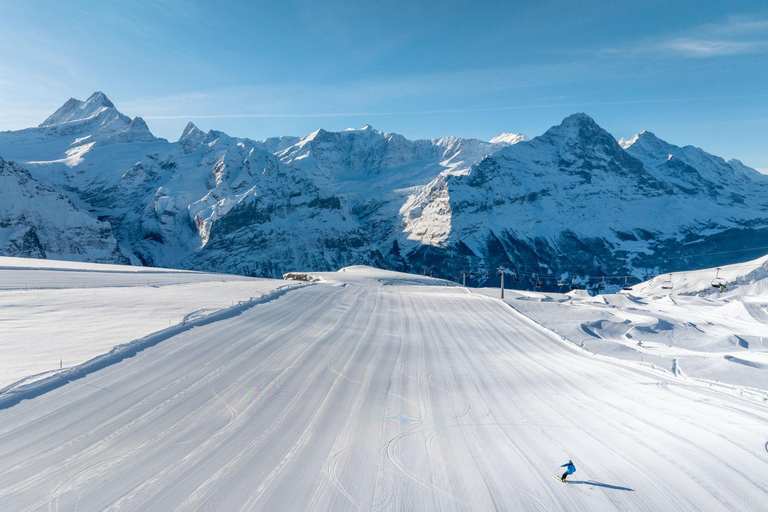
(736, 25)
(709, 48)
(737, 35)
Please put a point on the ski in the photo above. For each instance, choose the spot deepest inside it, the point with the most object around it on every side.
(559, 480)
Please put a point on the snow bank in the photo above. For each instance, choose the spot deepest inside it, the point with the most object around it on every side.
(31, 264)
(362, 274)
(67, 313)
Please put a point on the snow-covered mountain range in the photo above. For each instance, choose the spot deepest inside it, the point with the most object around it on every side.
(572, 201)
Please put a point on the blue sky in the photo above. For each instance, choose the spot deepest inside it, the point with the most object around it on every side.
(693, 72)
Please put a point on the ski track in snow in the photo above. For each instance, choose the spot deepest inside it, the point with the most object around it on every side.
(369, 397)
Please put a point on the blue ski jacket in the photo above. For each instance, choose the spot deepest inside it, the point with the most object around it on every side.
(570, 468)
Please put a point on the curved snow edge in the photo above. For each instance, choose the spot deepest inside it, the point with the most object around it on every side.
(16, 392)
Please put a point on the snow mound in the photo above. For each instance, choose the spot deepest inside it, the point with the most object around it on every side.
(365, 275)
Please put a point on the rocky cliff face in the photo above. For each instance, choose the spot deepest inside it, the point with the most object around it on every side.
(37, 222)
(572, 201)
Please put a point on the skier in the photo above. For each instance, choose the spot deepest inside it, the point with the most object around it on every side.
(569, 470)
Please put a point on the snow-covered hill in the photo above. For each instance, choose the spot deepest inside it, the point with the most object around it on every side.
(572, 201)
(747, 279)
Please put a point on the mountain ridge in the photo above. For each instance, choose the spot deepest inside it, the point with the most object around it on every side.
(561, 202)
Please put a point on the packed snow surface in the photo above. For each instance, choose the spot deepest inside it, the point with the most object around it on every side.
(56, 313)
(375, 391)
(678, 322)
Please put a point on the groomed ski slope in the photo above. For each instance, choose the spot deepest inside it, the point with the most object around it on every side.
(381, 394)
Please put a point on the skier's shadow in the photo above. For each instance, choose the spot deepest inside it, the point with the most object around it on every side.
(598, 484)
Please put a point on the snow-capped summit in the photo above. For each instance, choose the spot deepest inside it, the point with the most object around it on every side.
(579, 147)
(626, 143)
(72, 131)
(76, 110)
(76, 123)
(689, 166)
(578, 125)
(646, 139)
(191, 138)
(509, 138)
(136, 131)
(577, 137)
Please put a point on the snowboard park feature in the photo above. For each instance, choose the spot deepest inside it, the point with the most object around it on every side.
(373, 390)
(680, 322)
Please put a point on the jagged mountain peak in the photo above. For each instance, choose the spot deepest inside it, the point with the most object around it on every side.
(578, 121)
(366, 128)
(192, 136)
(577, 135)
(627, 143)
(644, 137)
(99, 98)
(509, 138)
(574, 154)
(138, 123)
(76, 110)
(314, 135)
(578, 128)
(63, 112)
(646, 143)
(218, 136)
(191, 128)
(322, 140)
(136, 131)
